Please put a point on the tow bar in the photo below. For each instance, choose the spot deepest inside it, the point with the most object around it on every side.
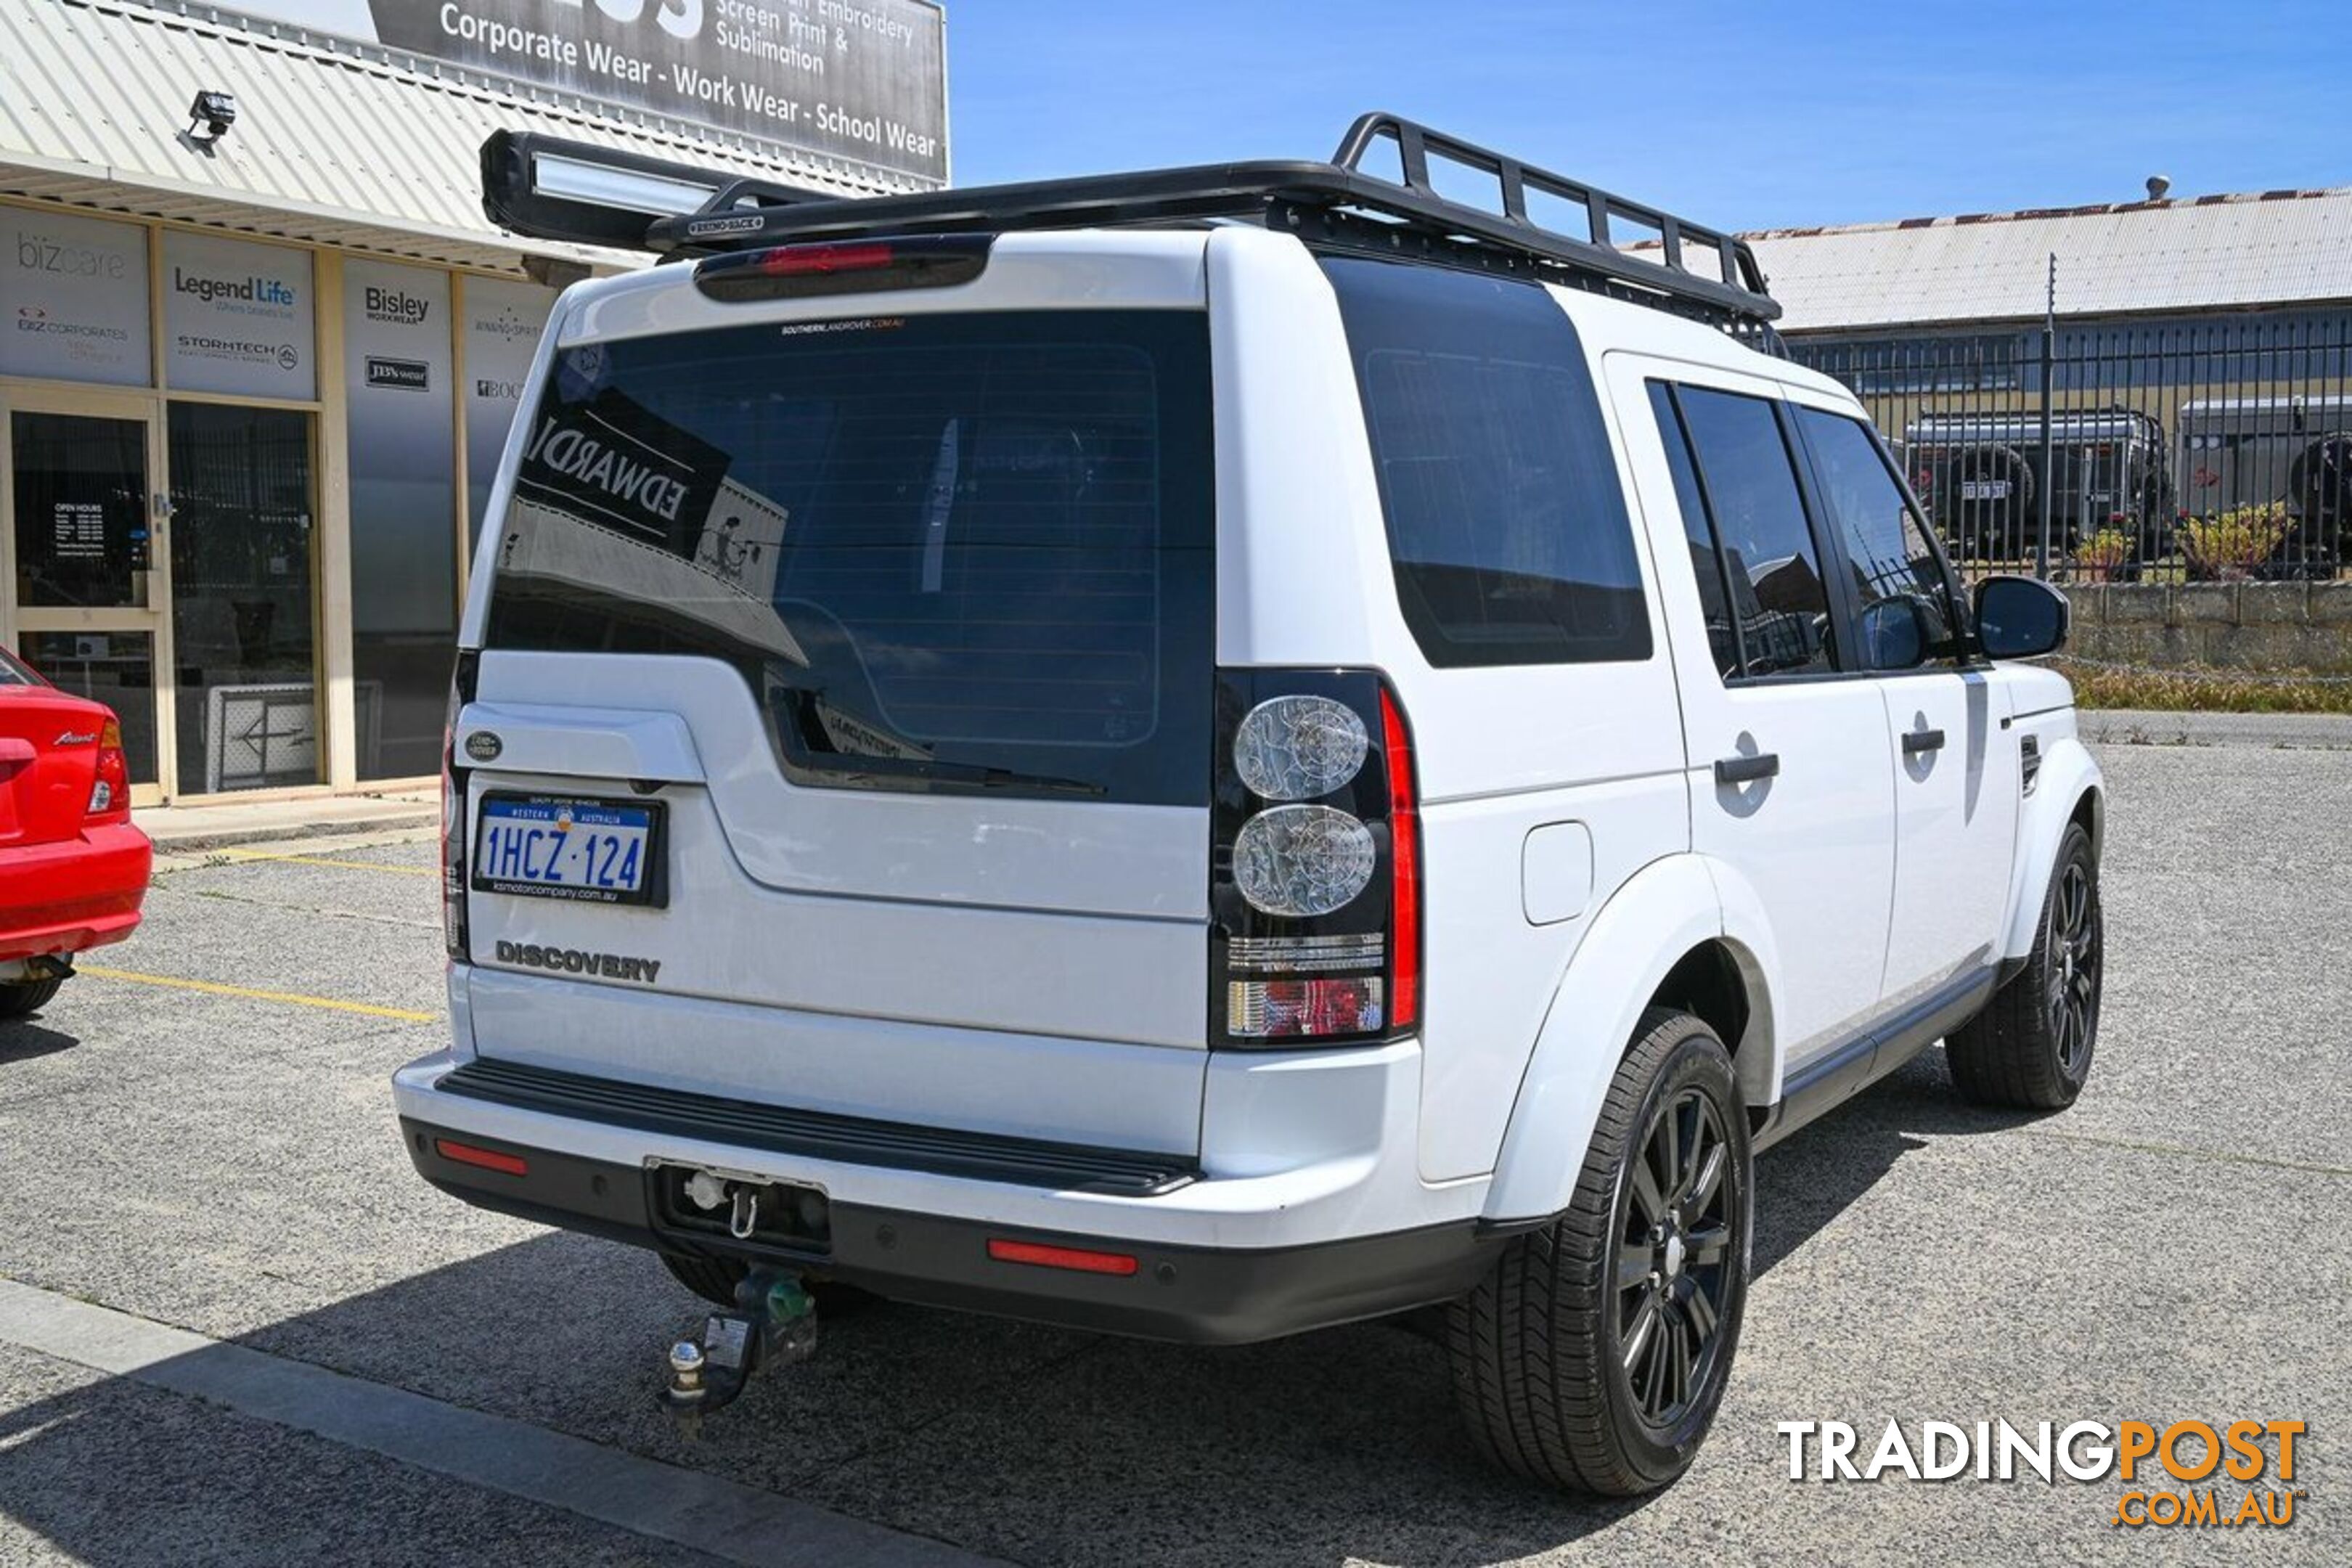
(774, 1324)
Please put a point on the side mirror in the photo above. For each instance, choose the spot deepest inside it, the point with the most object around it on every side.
(2019, 618)
(1895, 633)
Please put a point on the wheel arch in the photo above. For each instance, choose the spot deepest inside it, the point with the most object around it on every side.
(2069, 789)
(1674, 934)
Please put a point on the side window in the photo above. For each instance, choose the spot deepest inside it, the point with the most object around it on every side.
(1887, 550)
(1778, 595)
(1508, 529)
(1714, 599)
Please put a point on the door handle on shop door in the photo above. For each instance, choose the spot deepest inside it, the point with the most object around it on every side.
(1747, 770)
(1918, 741)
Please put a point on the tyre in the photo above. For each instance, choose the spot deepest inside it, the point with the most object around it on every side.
(19, 997)
(715, 1278)
(2031, 1047)
(1593, 1357)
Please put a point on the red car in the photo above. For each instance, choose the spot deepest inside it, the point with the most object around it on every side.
(72, 868)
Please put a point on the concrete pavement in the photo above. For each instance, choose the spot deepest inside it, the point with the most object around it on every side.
(225, 1164)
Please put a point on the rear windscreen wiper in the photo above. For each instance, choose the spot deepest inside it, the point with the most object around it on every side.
(965, 774)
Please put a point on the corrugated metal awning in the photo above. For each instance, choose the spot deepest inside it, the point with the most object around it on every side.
(2279, 247)
(336, 142)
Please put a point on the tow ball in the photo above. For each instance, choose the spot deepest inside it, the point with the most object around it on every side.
(774, 1324)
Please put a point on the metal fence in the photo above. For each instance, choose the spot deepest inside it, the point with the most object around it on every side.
(2214, 451)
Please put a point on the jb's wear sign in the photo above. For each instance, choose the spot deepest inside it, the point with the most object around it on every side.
(863, 80)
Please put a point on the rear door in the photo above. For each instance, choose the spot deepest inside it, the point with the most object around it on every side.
(879, 630)
(1789, 763)
(1956, 758)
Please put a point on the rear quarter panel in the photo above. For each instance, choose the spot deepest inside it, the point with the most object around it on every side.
(1305, 579)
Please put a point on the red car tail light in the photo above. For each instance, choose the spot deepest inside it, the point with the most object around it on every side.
(109, 793)
(1314, 876)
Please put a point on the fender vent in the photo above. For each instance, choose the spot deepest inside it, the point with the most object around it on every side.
(2029, 761)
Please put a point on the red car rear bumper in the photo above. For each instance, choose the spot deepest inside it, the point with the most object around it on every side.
(81, 893)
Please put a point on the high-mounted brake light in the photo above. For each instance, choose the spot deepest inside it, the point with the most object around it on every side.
(788, 260)
(852, 267)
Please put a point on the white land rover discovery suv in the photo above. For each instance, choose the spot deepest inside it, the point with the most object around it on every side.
(1212, 752)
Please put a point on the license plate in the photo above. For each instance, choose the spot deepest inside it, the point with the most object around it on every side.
(549, 847)
(1984, 489)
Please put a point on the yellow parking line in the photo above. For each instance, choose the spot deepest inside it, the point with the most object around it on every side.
(322, 860)
(406, 1014)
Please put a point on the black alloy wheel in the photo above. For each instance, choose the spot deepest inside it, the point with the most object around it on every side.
(1672, 1259)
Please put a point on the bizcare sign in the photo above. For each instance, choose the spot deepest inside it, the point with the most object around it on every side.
(864, 80)
(76, 293)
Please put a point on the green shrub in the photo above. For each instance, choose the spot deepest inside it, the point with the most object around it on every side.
(2229, 546)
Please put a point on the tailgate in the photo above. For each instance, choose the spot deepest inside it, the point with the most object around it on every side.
(841, 731)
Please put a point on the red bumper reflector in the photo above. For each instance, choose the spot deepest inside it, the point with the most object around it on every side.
(1045, 1257)
(487, 1159)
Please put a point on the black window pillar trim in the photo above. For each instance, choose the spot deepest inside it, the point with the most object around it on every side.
(1714, 533)
(1837, 571)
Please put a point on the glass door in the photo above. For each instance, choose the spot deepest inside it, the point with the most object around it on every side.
(86, 571)
(244, 598)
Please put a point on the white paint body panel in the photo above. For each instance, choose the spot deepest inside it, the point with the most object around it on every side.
(1955, 827)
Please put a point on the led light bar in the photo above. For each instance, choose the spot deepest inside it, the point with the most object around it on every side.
(602, 185)
(553, 188)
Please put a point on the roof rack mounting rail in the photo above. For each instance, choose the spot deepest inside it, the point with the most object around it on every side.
(548, 188)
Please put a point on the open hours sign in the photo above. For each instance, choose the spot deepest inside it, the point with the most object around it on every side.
(858, 79)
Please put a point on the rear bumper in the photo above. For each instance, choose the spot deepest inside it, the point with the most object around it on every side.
(1300, 1206)
(67, 897)
(1203, 1295)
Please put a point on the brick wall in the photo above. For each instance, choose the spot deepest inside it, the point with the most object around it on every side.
(2232, 625)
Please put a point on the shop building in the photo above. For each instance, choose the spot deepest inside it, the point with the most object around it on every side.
(259, 348)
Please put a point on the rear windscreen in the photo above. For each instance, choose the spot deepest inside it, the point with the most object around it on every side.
(946, 551)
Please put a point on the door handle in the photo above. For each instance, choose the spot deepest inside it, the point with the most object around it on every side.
(1918, 741)
(1747, 770)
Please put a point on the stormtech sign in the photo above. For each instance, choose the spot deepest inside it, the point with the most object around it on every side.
(864, 80)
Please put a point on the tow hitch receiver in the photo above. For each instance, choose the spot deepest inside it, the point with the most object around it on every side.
(774, 1324)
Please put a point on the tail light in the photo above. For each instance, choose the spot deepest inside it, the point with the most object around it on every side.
(1315, 872)
(110, 795)
(453, 811)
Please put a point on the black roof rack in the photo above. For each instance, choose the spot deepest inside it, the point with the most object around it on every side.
(676, 211)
